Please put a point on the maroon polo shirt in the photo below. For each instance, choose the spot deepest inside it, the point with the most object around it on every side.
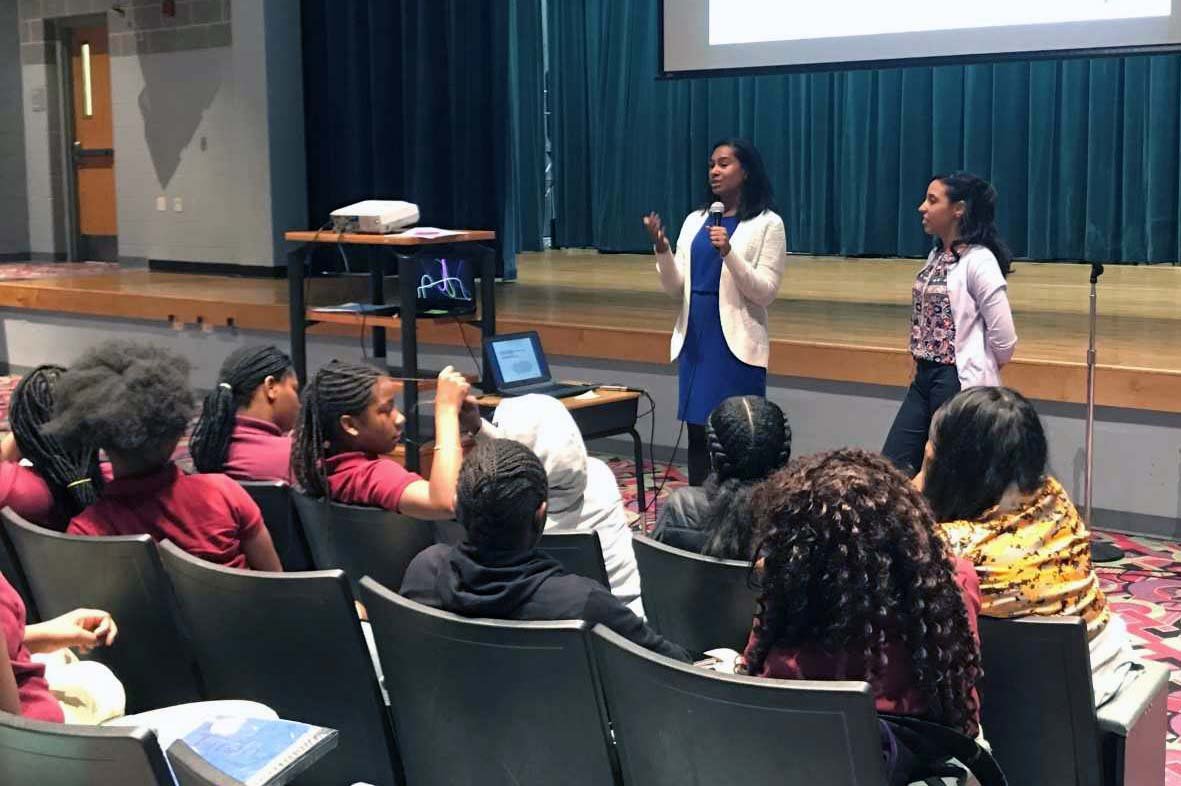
(258, 451)
(36, 700)
(26, 492)
(365, 479)
(207, 516)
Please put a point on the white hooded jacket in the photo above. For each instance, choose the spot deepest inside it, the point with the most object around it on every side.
(583, 492)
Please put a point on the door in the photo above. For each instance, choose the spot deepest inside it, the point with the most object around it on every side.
(94, 154)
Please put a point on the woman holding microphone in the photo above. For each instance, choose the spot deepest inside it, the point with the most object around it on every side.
(726, 269)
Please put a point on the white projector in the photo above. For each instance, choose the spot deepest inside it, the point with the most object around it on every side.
(375, 216)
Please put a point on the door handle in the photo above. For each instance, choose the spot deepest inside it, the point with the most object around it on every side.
(92, 152)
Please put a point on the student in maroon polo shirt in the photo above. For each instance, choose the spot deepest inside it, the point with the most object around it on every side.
(245, 426)
(23, 689)
(856, 585)
(64, 479)
(348, 424)
(133, 401)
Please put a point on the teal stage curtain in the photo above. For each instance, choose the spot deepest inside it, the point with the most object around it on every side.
(1083, 152)
(436, 102)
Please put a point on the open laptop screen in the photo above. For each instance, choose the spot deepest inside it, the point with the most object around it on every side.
(516, 359)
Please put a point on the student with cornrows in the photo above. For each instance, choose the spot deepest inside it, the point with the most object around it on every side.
(749, 438)
(244, 428)
(349, 424)
(497, 571)
(133, 401)
(961, 326)
(64, 479)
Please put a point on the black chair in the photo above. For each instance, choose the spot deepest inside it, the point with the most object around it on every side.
(273, 498)
(699, 602)
(677, 724)
(449, 532)
(35, 752)
(362, 541)
(121, 575)
(489, 701)
(1038, 709)
(580, 553)
(14, 574)
(291, 641)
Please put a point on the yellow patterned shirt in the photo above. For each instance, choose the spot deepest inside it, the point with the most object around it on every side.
(1035, 559)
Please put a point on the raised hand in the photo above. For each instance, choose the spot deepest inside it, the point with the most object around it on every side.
(452, 390)
(655, 229)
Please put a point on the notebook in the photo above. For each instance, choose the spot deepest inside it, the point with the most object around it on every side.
(249, 751)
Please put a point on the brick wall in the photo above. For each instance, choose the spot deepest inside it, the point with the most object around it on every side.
(137, 27)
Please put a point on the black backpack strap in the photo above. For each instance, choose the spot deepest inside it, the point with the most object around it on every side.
(926, 736)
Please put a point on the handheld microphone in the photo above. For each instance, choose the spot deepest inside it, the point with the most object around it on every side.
(715, 213)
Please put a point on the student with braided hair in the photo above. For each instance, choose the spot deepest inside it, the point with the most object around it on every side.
(583, 493)
(133, 401)
(748, 438)
(63, 480)
(348, 425)
(498, 572)
(244, 428)
(857, 585)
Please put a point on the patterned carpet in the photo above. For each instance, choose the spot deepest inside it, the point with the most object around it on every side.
(1145, 589)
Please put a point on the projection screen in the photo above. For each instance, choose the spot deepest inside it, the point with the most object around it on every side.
(700, 36)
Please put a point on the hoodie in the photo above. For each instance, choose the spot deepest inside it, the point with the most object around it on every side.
(522, 586)
(583, 492)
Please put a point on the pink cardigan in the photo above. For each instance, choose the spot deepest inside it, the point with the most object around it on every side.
(984, 334)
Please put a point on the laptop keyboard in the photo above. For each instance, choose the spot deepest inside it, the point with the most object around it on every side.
(557, 390)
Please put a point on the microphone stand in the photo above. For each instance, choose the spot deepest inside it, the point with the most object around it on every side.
(1101, 551)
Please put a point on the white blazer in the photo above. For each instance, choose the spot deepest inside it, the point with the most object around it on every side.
(750, 282)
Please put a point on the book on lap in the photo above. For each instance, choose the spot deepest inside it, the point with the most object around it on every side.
(248, 752)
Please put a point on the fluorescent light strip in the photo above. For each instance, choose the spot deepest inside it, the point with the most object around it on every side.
(87, 97)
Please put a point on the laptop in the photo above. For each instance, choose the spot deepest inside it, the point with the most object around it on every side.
(518, 367)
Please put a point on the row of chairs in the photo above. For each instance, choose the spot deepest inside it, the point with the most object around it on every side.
(473, 701)
(1037, 702)
(698, 602)
(1038, 709)
(480, 701)
(312, 533)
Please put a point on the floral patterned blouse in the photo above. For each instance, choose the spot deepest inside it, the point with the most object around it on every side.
(932, 324)
(1035, 559)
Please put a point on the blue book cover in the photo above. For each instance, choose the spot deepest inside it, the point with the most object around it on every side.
(257, 752)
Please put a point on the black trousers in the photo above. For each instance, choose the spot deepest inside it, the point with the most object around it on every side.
(698, 454)
(933, 384)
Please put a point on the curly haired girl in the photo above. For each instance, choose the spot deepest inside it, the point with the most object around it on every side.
(857, 586)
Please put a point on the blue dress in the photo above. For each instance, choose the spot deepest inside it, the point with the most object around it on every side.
(709, 372)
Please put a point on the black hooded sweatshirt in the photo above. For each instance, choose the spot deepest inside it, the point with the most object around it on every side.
(526, 585)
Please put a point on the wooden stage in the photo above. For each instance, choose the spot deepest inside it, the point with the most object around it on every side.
(836, 319)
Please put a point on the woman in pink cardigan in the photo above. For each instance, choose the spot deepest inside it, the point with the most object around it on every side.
(961, 328)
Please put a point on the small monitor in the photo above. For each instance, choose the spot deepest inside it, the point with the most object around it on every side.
(446, 285)
(516, 359)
